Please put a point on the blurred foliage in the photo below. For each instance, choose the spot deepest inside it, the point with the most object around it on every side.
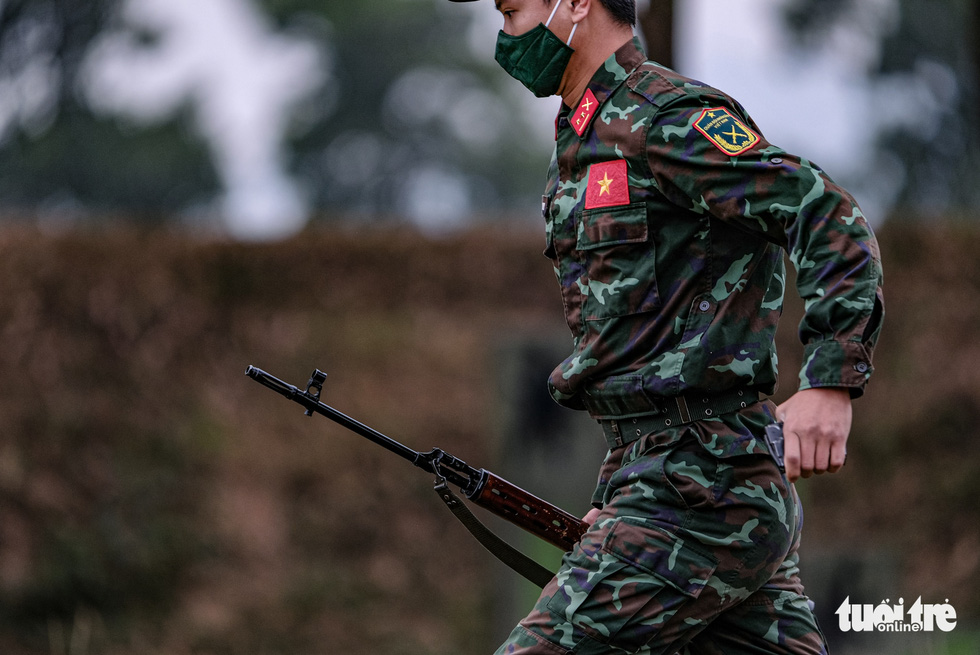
(406, 97)
(148, 174)
(153, 499)
(390, 59)
(56, 154)
(351, 146)
(931, 49)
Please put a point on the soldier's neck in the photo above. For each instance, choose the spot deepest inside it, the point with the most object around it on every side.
(585, 61)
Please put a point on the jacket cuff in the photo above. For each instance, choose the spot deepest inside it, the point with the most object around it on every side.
(844, 364)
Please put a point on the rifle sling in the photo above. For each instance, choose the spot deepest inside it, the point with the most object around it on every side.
(500, 549)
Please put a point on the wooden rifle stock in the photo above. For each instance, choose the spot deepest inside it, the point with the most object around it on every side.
(539, 517)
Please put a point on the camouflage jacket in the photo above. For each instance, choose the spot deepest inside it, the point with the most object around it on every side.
(667, 213)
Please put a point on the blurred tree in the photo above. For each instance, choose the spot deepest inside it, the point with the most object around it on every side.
(929, 58)
(410, 120)
(54, 152)
(419, 108)
(414, 118)
(656, 22)
(414, 121)
(421, 122)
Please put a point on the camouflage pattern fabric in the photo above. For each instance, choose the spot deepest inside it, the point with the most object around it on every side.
(666, 216)
(695, 552)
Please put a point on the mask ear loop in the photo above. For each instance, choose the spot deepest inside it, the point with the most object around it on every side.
(574, 27)
(553, 12)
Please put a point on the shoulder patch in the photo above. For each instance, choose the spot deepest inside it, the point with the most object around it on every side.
(725, 131)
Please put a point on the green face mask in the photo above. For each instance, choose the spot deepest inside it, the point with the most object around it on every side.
(537, 58)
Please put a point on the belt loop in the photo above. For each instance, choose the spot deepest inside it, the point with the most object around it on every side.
(683, 409)
(619, 435)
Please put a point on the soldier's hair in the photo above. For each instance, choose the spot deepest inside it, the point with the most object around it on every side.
(622, 11)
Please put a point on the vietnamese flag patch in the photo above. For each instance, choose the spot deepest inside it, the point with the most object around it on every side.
(608, 185)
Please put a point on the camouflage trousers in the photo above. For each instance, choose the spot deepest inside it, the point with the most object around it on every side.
(694, 552)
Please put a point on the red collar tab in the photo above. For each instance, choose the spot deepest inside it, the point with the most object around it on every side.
(586, 111)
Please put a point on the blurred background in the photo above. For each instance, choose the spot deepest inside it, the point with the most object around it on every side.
(188, 187)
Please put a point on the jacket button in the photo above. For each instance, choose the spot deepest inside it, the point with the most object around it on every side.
(704, 306)
(861, 367)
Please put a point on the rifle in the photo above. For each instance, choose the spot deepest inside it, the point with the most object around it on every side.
(480, 486)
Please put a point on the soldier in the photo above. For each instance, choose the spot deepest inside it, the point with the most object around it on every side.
(666, 212)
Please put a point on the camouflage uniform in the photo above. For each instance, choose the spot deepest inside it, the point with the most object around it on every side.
(666, 216)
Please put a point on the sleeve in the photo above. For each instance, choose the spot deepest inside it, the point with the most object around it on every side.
(705, 154)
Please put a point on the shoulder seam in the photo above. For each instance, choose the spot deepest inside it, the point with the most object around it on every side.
(644, 71)
(669, 91)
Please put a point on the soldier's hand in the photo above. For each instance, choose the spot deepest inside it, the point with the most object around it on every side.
(590, 518)
(816, 423)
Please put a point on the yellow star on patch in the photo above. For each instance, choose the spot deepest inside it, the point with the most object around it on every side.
(604, 184)
(608, 184)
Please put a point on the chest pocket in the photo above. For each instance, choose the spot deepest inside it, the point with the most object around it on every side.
(619, 257)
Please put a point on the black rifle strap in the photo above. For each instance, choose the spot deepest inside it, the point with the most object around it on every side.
(500, 549)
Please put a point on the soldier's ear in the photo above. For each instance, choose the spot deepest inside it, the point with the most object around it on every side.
(580, 9)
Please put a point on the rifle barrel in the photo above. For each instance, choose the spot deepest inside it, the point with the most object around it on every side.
(312, 404)
(482, 487)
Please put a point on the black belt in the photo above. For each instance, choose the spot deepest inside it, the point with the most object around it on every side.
(676, 410)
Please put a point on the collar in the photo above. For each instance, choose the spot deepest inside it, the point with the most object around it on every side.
(604, 82)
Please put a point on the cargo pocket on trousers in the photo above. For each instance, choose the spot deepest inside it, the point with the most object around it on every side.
(625, 592)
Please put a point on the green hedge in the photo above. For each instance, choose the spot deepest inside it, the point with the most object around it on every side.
(155, 500)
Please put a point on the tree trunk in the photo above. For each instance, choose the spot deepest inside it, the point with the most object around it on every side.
(974, 37)
(657, 26)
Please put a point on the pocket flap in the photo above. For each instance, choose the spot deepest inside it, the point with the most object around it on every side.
(661, 554)
(613, 226)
